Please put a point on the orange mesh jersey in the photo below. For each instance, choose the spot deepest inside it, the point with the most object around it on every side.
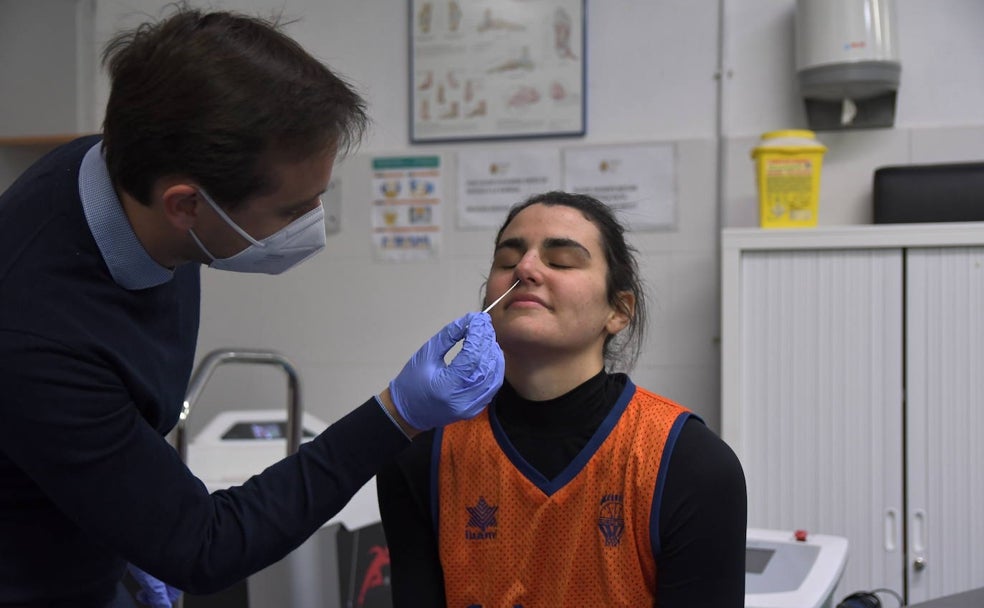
(511, 538)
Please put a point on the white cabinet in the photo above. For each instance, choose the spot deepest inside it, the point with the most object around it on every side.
(48, 68)
(853, 392)
(47, 75)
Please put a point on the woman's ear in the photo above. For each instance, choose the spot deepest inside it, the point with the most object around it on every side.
(622, 312)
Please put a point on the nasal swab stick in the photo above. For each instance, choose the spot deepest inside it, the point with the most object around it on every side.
(499, 299)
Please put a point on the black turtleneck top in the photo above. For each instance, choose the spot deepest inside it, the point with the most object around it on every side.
(702, 516)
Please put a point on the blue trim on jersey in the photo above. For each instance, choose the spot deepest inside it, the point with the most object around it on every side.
(435, 474)
(549, 486)
(664, 464)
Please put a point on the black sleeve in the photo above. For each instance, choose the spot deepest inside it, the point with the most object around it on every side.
(71, 427)
(403, 490)
(702, 520)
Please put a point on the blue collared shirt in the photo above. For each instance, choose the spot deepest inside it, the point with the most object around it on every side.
(129, 263)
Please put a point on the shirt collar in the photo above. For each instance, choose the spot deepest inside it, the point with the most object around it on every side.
(129, 263)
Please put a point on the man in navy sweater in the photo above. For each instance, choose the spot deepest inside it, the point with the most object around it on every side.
(219, 139)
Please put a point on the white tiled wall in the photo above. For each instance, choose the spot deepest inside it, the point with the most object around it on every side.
(350, 322)
(848, 168)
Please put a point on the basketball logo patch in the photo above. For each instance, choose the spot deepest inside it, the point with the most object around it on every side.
(481, 517)
(611, 519)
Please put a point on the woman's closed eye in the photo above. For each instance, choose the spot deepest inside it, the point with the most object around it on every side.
(566, 257)
(506, 258)
(557, 253)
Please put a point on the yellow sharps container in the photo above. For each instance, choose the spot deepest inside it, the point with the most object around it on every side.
(788, 168)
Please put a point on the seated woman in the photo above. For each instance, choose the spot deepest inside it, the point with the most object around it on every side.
(574, 487)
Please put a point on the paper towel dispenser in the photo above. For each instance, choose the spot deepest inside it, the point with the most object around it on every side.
(847, 62)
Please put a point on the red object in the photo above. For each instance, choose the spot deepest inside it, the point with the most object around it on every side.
(800, 535)
(374, 573)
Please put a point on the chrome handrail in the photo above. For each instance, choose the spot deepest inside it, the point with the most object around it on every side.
(218, 357)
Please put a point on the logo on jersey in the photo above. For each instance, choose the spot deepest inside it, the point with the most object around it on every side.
(611, 519)
(481, 517)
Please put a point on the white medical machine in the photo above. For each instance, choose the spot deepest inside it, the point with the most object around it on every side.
(785, 569)
(237, 444)
(234, 446)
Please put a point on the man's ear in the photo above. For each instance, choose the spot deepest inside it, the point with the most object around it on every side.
(622, 312)
(181, 204)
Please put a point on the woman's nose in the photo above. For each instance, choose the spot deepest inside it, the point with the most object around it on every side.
(529, 268)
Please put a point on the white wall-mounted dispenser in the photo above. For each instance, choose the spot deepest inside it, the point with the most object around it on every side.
(847, 62)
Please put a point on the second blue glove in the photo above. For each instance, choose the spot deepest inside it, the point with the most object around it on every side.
(153, 592)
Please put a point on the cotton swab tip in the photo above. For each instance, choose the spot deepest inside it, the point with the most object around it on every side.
(499, 299)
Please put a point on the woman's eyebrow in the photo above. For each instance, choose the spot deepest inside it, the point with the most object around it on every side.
(564, 243)
(512, 243)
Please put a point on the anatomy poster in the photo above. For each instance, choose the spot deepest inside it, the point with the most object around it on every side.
(406, 207)
(486, 69)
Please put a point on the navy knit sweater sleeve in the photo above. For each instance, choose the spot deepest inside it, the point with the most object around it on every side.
(93, 375)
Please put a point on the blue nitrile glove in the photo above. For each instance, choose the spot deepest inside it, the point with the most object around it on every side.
(428, 393)
(153, 593)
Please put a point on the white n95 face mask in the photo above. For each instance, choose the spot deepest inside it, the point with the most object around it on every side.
(282, 250)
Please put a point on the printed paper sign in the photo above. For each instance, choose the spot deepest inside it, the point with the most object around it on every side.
(406, 212)
(492, 181)
(638, 181)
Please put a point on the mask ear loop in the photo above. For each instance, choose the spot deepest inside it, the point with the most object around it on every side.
(201, 245)
(228, 220)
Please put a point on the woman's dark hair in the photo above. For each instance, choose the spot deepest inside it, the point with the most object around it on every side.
(219, 97)
(622, 349)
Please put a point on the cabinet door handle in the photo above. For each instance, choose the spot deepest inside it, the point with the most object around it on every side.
(918, 540)
(891, 529)
(918, 530)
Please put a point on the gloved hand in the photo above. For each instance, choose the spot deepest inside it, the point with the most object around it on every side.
(153, 593)
(429, 393)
